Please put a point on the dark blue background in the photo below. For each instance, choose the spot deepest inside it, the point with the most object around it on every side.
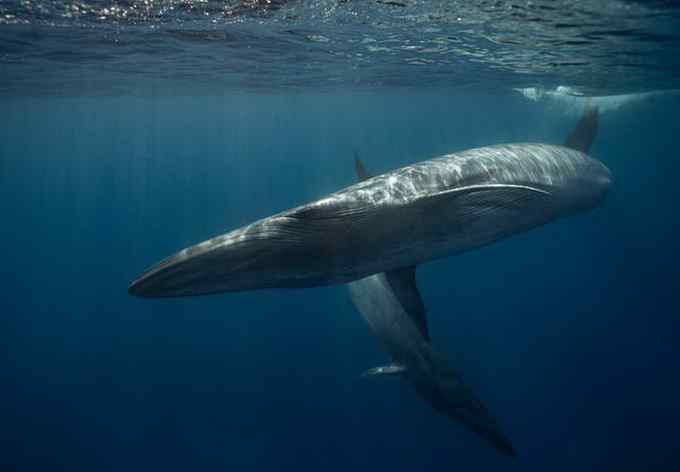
(569, 333)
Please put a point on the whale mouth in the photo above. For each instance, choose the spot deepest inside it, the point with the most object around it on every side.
(162, 280)
(136, 288)
(180, 281)
(183, 274)
(226, 263)
(145, 287)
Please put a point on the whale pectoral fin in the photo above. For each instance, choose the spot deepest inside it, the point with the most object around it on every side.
(514, 205)
(360, 169)
(472, 203)
(391, 369)
(582, 136)
(452, 397)
(403, 284)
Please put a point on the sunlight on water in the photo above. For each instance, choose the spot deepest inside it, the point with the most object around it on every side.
(616, 46)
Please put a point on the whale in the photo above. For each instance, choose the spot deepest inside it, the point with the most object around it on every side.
(391, 304)
(415, 359)
(424, 211)
(393, 308)
(373, 235)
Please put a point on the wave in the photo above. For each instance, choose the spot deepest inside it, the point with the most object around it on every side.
(574, 102)
(319, 43)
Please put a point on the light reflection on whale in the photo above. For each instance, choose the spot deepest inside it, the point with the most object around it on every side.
(373, 234)
(414, 214)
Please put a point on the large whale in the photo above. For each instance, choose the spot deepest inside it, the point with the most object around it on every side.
(402, 218)
(380, 299)
(393, 308)
(373, 234)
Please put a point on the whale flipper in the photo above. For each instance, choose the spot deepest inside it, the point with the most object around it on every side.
(582, 136)
(468, 207)
(453, 398)
(403, 279)
(403, 284)
(394, 308)
(391, 369)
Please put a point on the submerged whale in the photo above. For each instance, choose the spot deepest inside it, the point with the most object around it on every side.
(393, 308)
(373, 234)
(393, 321)
(405, 217)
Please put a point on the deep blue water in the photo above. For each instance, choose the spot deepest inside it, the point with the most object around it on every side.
(570, 333)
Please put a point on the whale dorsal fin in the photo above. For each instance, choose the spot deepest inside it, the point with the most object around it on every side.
(402, 280)
(403, 284)
(360, 169)
(582, 136)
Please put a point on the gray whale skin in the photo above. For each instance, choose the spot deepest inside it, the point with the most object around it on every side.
(373, 234)
(411, 215)
(413, 357)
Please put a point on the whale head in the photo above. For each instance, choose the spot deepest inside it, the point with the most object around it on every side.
(278, 251)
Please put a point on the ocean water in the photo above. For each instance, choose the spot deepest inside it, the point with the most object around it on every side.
(133, 129)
